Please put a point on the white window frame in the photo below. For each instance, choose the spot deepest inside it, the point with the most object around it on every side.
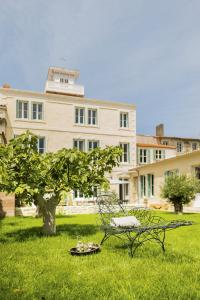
(78, 120)
(143, 185)
(78, 141)
(194, 143)
(171, 172)
(91, 118)
(147, 185)
(38, 143)
(18, 101)
(150, 185)
(125, 186)
(179, 147)
(122, 158)
(159, 154)
(92, 141)
(37, 111)
(166, 143)
(144, 156)
(124, 121)
(77, 195)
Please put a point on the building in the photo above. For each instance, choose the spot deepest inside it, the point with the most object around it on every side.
(182, 144)
(159, 156)
(63, 117)
(149, 178)
(3, 124)
(149, 153)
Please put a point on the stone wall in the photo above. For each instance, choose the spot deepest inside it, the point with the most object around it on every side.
(7, 205)
(82, 209)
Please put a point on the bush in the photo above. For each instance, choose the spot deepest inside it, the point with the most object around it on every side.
(180, 190)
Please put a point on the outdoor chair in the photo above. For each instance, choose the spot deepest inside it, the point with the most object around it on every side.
(135, 226)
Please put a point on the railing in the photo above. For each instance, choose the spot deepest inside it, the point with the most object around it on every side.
(64, 88)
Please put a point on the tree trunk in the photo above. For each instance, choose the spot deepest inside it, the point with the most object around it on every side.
(48, 210)
(178, 208)
(49, 222)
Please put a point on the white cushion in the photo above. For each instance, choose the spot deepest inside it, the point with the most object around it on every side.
(129, 221)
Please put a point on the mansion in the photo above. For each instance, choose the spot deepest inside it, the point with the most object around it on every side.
(62, 117)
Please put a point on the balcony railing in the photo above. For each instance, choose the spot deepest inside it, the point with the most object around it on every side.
(64, 88)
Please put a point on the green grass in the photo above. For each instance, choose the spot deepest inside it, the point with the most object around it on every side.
(36, 267)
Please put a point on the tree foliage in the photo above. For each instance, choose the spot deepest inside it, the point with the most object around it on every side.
(180, 190)
(42, 178)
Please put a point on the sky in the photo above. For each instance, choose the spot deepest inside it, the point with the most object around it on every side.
(145, 52)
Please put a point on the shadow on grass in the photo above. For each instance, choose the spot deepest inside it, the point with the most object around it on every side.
(151, 251)
(71, 230)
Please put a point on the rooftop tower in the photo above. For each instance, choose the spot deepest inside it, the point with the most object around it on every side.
(63, 81)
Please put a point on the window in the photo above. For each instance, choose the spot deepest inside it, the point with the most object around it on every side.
(125, 155)
(197, 172)
(79, 144)
(63, 80)
(147, 185)
(22, 109)
(124, 190)
(37, 111)
(165, 143)
(144, 156)
(79, 115)
(80, 196)
(194, 146)
(179, 147)
(41, 145)
(124, 120)
(92, 116)
(142, 186)
(92, 145)
(171, 172)
(159, 154)
(150, 180)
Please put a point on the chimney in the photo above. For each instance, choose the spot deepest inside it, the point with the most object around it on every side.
(160, 130)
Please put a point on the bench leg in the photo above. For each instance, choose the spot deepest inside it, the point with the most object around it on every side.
(106, 236)
(163, 241)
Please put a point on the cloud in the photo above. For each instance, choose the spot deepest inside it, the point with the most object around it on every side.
(145, 52)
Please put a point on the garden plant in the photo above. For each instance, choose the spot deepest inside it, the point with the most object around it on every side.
(43, 178)
(180, 190)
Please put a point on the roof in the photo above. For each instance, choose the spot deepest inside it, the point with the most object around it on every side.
(155, 146)
(166, 160)
(170, 137)
(63, 71)
(63, 97)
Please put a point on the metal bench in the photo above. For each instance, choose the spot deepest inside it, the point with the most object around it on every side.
(151, 227)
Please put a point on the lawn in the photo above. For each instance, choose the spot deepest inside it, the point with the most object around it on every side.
(36, 267)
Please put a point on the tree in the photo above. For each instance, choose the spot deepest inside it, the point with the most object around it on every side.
(180, 190)
(43, 178)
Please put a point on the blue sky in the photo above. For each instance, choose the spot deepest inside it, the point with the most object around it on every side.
(145, 52)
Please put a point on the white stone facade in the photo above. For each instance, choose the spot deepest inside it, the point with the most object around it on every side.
(53, 117)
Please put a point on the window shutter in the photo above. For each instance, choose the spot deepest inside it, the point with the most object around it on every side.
(163, 154)
(154, 155)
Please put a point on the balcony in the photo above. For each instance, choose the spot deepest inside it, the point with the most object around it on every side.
(64, 88)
